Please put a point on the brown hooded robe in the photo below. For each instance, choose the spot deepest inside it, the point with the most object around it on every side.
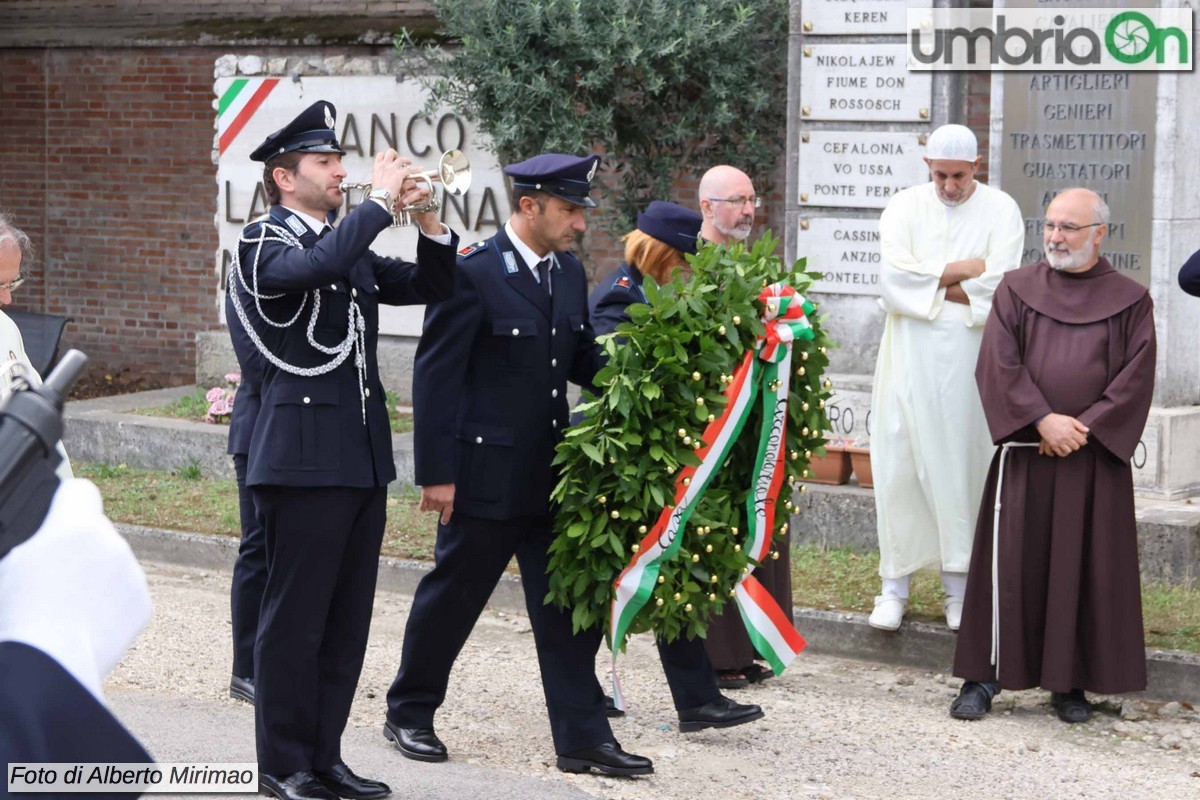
(1070, 613)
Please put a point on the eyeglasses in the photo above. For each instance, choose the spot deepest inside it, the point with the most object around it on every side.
(12, 285)
(753, 200)
(1067, 228)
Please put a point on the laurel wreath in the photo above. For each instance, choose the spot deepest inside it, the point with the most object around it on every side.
(664, 382)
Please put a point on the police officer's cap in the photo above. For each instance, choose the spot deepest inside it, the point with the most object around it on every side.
(565, 177)
(671, 224)
(310, 132)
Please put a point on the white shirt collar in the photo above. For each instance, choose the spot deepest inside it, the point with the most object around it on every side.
(530, 258)
(316, 225)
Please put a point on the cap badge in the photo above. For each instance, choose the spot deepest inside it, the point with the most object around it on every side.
(592, 171)
(328, 117)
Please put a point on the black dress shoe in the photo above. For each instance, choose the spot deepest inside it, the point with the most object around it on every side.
(610, 708)
(719, 713)
(608, 758)
(297, 786)
(242, 689)
(419, 744)
(1072, 706)
(342, 781)
(757, 673)
(973, 701)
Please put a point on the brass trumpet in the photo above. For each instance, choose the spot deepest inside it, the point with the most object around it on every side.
(453, 172)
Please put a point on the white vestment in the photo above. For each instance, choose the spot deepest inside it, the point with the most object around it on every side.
(930, 446)
(12, 348)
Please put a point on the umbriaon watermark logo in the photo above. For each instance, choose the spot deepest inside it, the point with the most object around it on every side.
(1054, 39)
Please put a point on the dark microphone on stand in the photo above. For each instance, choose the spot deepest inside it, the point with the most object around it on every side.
(31, 425)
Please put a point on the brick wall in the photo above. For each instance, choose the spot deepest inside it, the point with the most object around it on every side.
(108, 167)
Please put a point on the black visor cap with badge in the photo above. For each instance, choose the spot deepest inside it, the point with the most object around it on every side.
(312, 131)
(559, 175)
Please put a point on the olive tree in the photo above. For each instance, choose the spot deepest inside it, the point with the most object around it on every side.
(666, 88)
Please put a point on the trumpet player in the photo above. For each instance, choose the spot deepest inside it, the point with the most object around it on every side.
(304, 304)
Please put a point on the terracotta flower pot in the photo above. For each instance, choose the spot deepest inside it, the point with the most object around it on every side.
(833, 467)
(860, 457)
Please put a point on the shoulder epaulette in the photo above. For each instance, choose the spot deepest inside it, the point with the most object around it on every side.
(472, 249)
(623, 281)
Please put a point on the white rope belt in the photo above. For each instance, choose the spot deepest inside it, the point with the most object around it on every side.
(355, 325)
(996, 553)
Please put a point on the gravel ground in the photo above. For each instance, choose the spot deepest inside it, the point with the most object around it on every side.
(834, 728)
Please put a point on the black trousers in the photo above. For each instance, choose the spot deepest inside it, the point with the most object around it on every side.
(690, 674)
(323, 559)
(470, 556)
(249, 577)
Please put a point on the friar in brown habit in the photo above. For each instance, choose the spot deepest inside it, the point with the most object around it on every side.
(1065, 372)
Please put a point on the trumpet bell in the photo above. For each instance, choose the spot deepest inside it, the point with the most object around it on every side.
(454, 169)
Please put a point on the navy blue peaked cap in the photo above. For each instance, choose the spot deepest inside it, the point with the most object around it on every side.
(671, 224)
(565, 177)
(310, 132)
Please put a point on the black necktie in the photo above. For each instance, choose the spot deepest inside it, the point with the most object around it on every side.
(543, 269)
(325, 230)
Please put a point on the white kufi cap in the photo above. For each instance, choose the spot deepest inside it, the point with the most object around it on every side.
(952, 143)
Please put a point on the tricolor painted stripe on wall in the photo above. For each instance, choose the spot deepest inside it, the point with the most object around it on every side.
(237, 105)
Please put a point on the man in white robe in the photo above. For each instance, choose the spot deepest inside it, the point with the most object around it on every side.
(945, 245)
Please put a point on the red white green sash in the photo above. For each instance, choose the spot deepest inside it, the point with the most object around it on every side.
(768, 367)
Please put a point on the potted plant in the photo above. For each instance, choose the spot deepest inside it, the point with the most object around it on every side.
(834, 467)
(860, 458)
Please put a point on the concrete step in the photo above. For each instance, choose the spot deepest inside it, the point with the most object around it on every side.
(105, 431)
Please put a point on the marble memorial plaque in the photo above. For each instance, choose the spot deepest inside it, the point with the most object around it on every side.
(866, 82)
(822, 17)
(1094, 130)
(844, 250)
(844, 169)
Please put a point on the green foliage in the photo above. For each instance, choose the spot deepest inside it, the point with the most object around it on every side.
(666, 87)
(618, 464)
(193, 406)
(190, 471)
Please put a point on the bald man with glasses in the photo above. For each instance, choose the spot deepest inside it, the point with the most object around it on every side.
(728, 204)
(1066, 374)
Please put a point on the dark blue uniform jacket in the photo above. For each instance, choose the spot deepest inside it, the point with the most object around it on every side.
(613, 295)
(490, 380)
(310, 429)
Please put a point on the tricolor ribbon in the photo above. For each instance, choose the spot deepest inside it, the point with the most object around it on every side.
(767, 366)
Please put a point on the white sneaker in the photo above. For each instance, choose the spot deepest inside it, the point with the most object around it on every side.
(953, 606)
(888, 613)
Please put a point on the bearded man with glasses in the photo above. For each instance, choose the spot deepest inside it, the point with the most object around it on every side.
(1066, 373)
(728, 204)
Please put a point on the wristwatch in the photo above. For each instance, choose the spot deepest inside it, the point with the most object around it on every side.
(383, 197)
